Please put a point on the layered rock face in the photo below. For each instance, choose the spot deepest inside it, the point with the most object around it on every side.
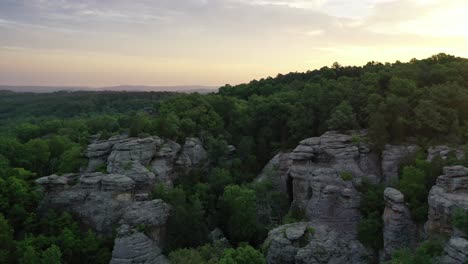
(392, 157)
(306, 243)
(443, 152)
(121, 196)
(145, 160)
(133, 247)
(102, 201)
(276, 171)
(399, 230)
(323, 171)
(456, 251)
(450, 192)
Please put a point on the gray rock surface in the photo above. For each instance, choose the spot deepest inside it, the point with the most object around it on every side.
(443, 152)
(399, 231)
(450, 192)
(276, 171)
(98, 151)
(146, 160)
(192, 153)
(133, 247)
(131, 156)
(101, 200)
(318, 184)
(456, 251)
(312, 244)
(152, 215)
(163, 164)
(392, 157)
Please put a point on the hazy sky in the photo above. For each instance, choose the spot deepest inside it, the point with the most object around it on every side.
(213, 42)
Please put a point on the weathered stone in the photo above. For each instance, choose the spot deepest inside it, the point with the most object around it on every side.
(276, 171)
(56, 183)
(399, 230)
(450, 192)
(307, 243)
(132, 247)
(137, 149)
(192, 153)
(163, 164)
(144, 179)
(456, 251)
(117, 182)
(443, 152)
(101, 200)
(324, 172)
(392, 157)
(98, 151)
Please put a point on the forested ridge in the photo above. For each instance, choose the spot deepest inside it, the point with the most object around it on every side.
(424, 102)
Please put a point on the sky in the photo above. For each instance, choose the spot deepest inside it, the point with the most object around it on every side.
(215, 42)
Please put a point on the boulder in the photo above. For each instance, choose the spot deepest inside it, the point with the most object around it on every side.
(399, 231)
(312, 244)
(450, 192)
(133, 247)
(456, 251)
(392, 157)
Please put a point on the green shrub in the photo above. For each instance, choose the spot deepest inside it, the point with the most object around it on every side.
(460, 220)
(310, 230)
(346, 176)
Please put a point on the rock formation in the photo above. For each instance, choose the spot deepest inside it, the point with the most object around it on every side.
(324, 171)
(392, 157)
(276, 171)
(133, 247)
(101, 200)
(399, 230)
(450, 192)
(145, 160)
(456, 251)
(444, 152)
(306, 243)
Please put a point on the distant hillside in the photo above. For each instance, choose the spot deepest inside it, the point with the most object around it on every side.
(132, 88)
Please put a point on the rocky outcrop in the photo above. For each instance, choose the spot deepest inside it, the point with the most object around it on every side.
(456, 251)
(276, 171)
(450, 192)
(152, 215)
(399, 231)
(101, 200)
(131, 156)
(305, 243)
(444, 152)
(192, 153)
(146, 160)
(324, 173)
(163, 163)
(392, 157)
(98, 151)
(133, 247)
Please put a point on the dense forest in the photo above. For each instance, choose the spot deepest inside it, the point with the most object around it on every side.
(424, 102)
